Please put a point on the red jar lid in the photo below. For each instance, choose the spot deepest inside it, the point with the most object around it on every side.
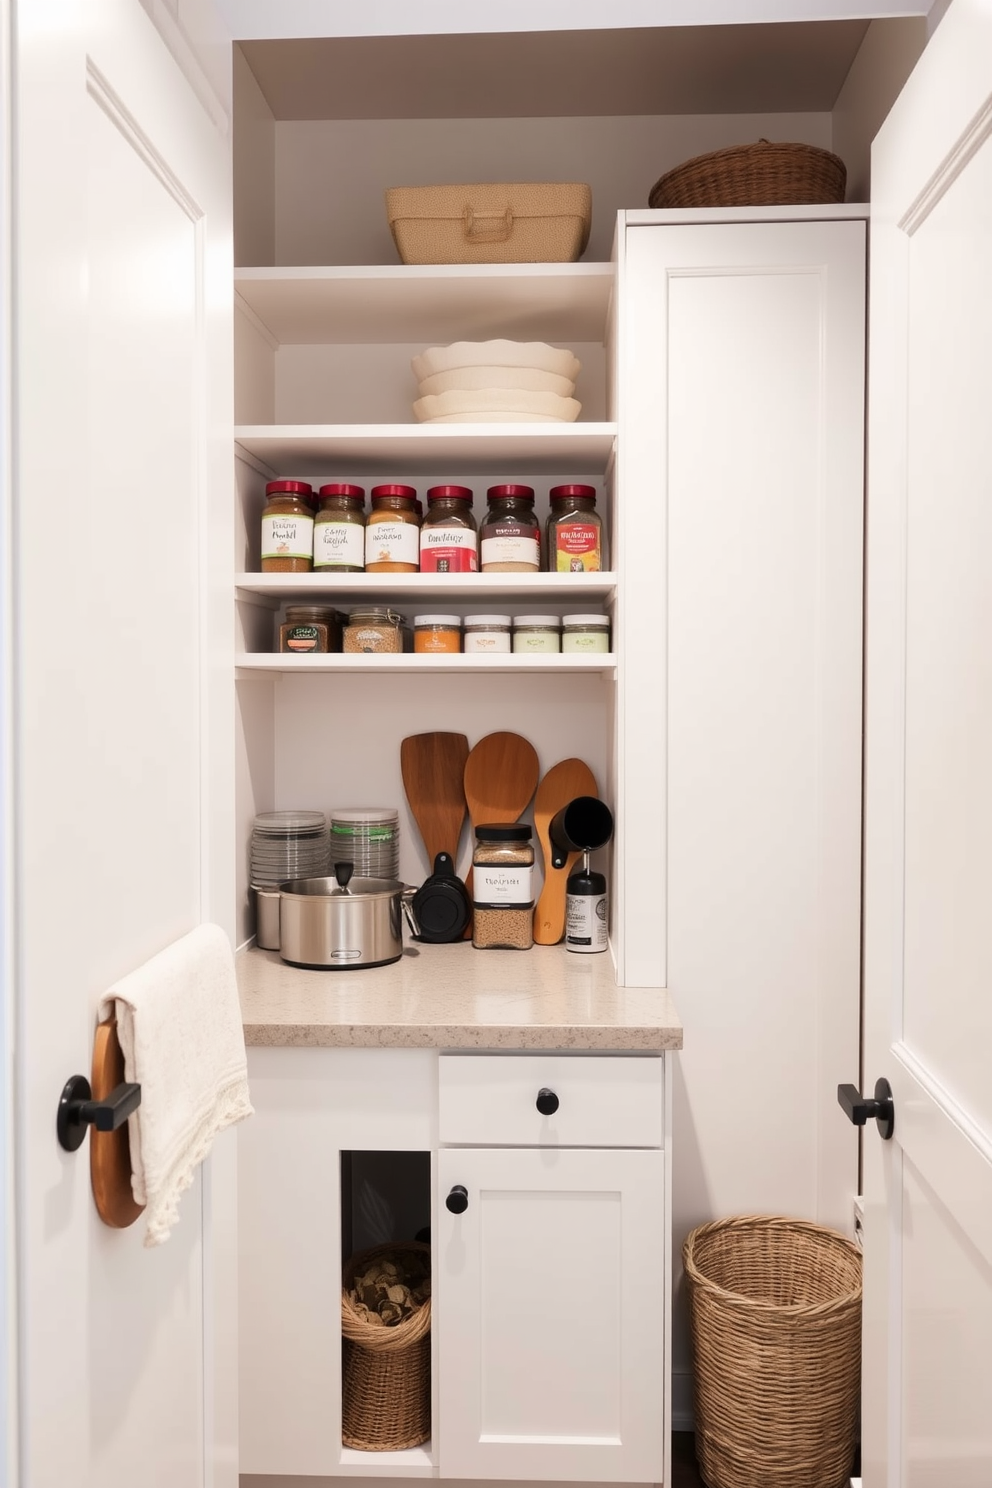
(451, 493)
(516, 493)
(289, 487)
(409, 492)
(562, 493)
(341, 488)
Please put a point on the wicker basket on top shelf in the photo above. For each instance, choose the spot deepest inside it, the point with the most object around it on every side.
(386, 1389)
(759, 175)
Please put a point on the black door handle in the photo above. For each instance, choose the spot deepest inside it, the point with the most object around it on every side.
(457, 1200)
(547, 1102)
(859, 1109)
(77, 1110)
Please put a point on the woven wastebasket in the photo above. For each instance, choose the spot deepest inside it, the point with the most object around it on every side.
(386, 1389)
(775, 1315)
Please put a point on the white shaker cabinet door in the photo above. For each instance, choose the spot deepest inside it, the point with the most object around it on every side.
(549, 1308)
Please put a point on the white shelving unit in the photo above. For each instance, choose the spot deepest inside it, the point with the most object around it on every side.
(417, 665)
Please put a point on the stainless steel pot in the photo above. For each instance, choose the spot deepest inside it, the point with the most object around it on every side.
(341, 923)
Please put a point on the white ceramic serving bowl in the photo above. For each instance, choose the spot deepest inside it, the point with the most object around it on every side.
(495, 354)
(471, 379)
(496, 404)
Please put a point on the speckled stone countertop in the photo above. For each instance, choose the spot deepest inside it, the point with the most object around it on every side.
(454, 997)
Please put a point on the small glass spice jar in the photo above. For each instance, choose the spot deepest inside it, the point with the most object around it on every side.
(575, 530)
(536, 634)
(486, 633)
(502, 887)
(287, 527)
(449, 537)
(339, 529)
(510, 538)
(392, 533)
(310, 628)
(585, 633)
(437, 633)
(373, 629)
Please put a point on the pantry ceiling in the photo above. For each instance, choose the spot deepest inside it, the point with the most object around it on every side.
(777, 68)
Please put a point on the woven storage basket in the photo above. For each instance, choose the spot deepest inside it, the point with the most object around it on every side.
(759, 175)
(513, 222)
(775, 1314)
(386, 1390)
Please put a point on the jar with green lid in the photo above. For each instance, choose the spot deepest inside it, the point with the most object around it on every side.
(536, 635)
(311, 629)
(339, 529)
(510, 538)
(502, 887)
(585, 634)
(374, 629)
(575, 531)
(287, 527)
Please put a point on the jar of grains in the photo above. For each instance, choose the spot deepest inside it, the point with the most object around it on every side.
(502, 887)
(392, 533)
(585, 633)
(313, 628)
(373, 629)
(287, 527)
(536, 634)
(432, 633)
(575, 530)
(487, 633)
(449, 538)
(510, 538)
(339, 529)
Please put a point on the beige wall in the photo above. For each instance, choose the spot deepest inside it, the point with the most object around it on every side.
(887, 56)
(254, 169)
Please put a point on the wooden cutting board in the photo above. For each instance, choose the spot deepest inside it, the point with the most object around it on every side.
(501, 775)
(433, 768)
(563, 782)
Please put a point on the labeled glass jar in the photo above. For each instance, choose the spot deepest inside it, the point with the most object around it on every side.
(449, 537)
(373, 629)
(510, 538)
(536, 634)
(287, 527)
(392, 532)
(502, 887)
(434, 633)
(575, 531)
(486, 633)
(339, 529)
(585, 633)
(310, 628)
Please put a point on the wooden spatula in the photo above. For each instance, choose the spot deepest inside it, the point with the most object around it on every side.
(501, 775)
(563, 782)
(433, 767)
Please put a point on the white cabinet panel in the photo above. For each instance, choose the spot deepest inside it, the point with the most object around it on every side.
(550, 1306)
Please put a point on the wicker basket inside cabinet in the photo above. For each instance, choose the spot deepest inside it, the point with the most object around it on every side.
(386, 1389)
(775, 1317)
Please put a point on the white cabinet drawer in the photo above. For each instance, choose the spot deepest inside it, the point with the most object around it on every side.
(491, 1100)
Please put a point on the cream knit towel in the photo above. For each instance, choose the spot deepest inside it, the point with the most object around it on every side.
(179, 1025)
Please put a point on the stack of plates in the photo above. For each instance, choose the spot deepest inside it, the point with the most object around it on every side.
(289, 844)
(496, 382)
(369, 837)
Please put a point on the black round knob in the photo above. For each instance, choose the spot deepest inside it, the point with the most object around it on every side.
(457, 1200)
(547, 1101)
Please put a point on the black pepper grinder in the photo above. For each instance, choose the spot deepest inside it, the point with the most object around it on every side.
(585, 909)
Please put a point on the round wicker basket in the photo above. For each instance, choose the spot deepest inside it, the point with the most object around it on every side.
(386, 1389)
(759, 175)
(775, 1314)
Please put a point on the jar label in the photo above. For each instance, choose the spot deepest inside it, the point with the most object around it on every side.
(487, 640)
(535, 640)
(338, 545)
(287, 537)
(302, 638)
(448, 550)
(585, 640)
(502, 888)
(511, 545)
(577, 547)
(392, 542)
(585, 922)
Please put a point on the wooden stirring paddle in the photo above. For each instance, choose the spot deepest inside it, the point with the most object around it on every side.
(433, 766)
(501, 775)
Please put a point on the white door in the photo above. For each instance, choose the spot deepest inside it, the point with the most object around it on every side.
(122, 720)
(550, 1303)
(928, 952)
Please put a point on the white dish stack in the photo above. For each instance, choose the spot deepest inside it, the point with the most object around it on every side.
(481, 382)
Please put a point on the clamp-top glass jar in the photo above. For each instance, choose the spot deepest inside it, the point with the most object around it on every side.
(449, 538)
(339, 529)
(287, 527)
(510, 538)
(392, 533)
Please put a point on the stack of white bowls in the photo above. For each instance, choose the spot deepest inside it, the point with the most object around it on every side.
(511, 382)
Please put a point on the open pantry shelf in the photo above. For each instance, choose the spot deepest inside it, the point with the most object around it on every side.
(478, 589)
(413, 1462)
(409, 663)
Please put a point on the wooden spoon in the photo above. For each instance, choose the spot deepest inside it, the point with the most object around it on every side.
(433, 766)
(501, 775)
(563, 782)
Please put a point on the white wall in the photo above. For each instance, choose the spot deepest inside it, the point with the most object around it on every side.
(254, 169)
(886, 57)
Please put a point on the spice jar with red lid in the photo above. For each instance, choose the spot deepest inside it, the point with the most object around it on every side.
(449, 538)
(575, 530)
(392, 533)
(287, 527)
(510, 538)
(339, 529)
